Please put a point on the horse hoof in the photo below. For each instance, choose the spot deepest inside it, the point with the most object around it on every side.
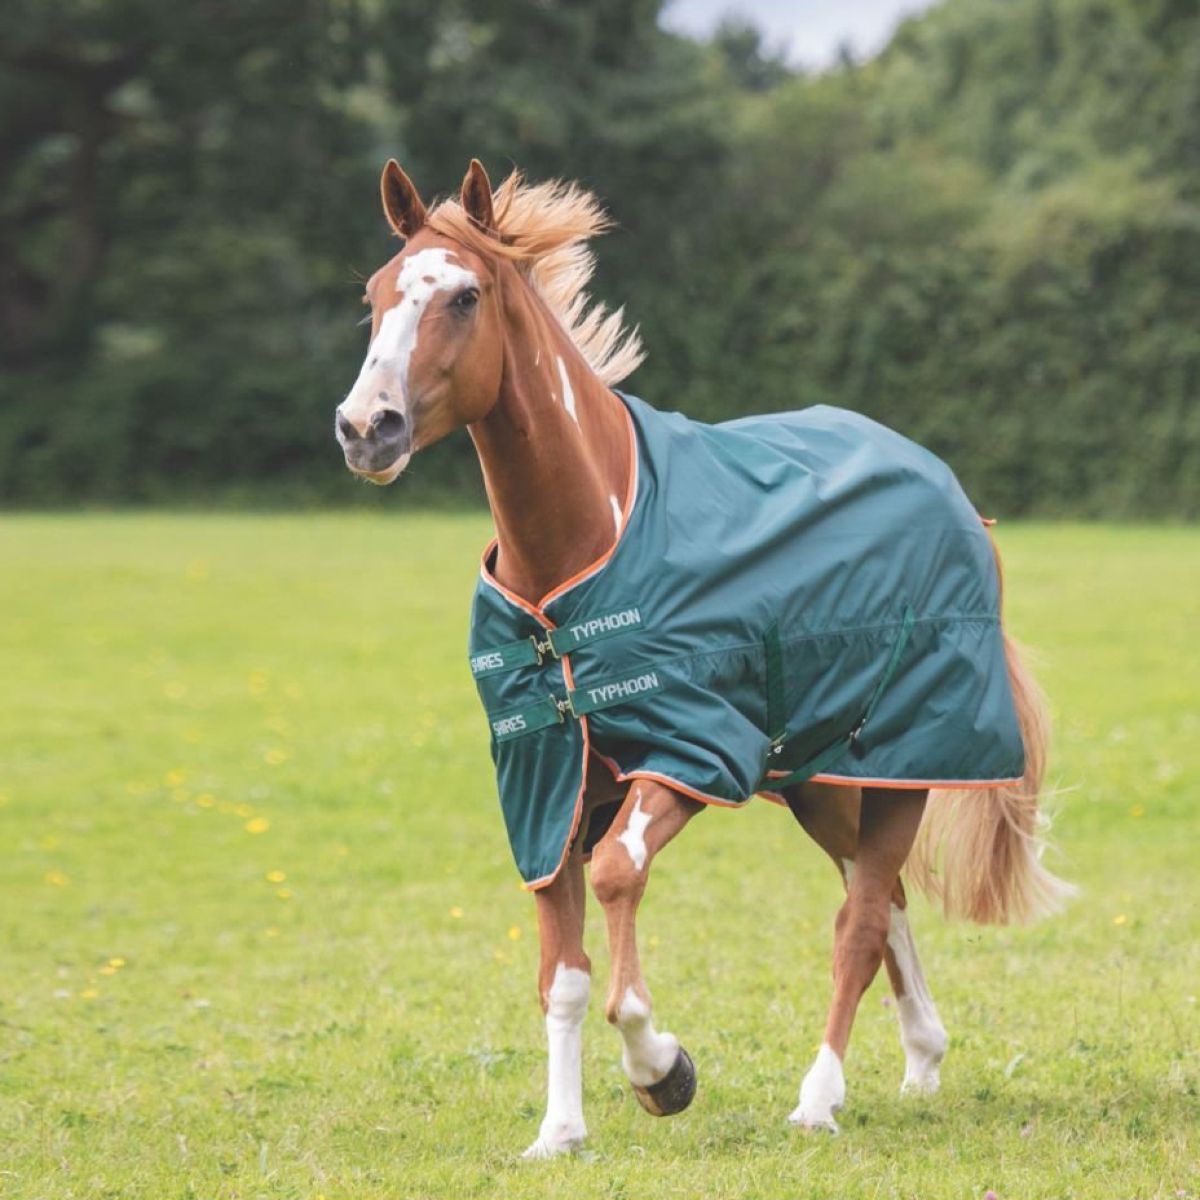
(673, 1092)
(814, 1121)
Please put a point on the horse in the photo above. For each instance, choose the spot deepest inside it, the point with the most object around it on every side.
(481, 322)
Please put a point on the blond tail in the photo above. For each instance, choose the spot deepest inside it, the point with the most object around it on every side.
(989, 841)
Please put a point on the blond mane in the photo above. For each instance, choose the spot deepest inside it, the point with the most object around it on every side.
(544, 229)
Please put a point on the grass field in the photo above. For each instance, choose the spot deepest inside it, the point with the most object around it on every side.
(260, 935)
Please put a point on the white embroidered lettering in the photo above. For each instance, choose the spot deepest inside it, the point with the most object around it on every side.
(486, 662)
(508, 725)
(608, 692)
(606, 624)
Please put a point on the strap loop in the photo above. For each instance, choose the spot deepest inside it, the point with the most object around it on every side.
(824, 759)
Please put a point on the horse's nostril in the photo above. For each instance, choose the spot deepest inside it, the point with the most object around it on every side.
(388, 424)
(346, 429)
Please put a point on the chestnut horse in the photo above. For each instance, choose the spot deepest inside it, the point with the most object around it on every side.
(481, 322)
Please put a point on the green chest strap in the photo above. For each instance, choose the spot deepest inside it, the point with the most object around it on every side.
(533, 651)
(578, 702)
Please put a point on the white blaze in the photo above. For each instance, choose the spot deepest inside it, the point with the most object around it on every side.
(385, 368)
(616, 512)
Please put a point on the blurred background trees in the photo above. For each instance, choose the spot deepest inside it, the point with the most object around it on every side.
(987, 237)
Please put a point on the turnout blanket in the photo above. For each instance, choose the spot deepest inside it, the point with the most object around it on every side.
(807, 595)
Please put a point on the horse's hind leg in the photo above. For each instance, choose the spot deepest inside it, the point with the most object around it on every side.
(662, 1075)
(829, 814)
(887, 822)
(922, 1033)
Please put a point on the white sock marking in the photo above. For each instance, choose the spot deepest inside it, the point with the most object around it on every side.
(921, 1031)
(562, 1127)
(646, 1055)
(822, 1093)
(568, 394)
(634, 836)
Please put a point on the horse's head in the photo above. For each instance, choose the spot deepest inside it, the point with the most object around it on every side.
(436, 354)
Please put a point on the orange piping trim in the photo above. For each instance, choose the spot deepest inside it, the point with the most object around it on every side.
(912, 785)
(546, 880)
(536, 610)
(630, 496)
(512, 597)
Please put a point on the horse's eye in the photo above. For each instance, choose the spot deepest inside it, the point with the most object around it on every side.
(466, 299)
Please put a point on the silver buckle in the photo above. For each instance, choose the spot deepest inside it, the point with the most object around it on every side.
(543, 649)
(565, 707)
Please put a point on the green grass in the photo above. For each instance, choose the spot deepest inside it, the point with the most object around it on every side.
(367, 1026)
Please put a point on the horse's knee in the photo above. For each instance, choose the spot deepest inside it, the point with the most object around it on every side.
(615, 876)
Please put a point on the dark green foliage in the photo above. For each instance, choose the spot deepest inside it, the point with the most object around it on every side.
(989, 237)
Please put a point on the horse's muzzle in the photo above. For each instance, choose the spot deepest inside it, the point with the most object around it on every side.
(382, 444)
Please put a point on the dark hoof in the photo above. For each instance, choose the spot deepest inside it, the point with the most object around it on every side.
(673, 1092)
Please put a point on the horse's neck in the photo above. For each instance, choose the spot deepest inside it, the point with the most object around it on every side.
(555, 453)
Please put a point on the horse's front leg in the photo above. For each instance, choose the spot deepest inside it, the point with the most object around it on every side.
(662, 1074)
(564, 980)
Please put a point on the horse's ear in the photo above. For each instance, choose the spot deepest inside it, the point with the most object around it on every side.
(401, 204)
(477, 197)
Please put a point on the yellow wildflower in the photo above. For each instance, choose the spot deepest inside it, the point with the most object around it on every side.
(456, 912)
(284, 893)
(514, 933)
(276, 876)
(56, 878)
(1120, 919)
(257, 825)
(89, 993)
(175, 778)
(1138, 810)
(117, 962)
(206, 800)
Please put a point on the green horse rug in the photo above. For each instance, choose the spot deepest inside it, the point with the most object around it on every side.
(801, 596)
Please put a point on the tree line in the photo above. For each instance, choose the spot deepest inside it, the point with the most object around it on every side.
(987, 237)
